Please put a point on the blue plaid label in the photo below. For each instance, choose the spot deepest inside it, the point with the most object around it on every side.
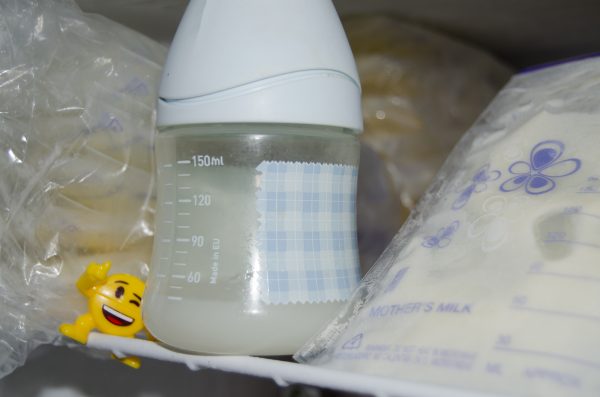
(307, 232)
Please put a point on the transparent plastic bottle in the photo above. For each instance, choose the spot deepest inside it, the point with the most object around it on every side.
(207, 268)
(257, 155)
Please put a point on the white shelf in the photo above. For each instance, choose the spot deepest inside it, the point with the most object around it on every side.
(283, 373)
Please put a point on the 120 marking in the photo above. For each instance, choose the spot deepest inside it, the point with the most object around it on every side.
(202, 200)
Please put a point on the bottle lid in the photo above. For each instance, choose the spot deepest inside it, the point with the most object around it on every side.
(260, 61)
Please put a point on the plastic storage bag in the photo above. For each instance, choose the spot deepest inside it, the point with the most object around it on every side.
(77, 95)
(492, 284)
(421, 92)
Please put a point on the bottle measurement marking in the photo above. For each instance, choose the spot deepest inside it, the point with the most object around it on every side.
(168, 184)
(167, 165)
(197, 240)
(179, 264)
(179, 276)
(198, 200)
(183, 240)
(183, 162)
(202, 200)
(161, 275)
(168, 203)
(194, 277)
(183, 227)
(164, 259)
(184, 187)
(184, 174)
(174, 298)
(175, 287)
(165, 240)
(183, 213)
(182, 252)
(205, 160)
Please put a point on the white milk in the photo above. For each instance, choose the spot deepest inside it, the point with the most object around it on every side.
(208, 279)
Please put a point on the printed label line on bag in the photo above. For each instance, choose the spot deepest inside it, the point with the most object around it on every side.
(573, 242)
(558, 356)
(582, 213)
(556, 237)
(556, 313)
(565, 275)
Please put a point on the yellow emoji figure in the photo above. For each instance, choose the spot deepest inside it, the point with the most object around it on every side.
(114, 304)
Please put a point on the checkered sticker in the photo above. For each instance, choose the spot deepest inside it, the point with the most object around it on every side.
(307, 232)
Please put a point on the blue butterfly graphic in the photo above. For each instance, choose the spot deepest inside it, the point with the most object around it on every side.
(442, 238)
(537, 175)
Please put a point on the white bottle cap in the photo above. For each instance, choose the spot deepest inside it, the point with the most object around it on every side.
(260, 61)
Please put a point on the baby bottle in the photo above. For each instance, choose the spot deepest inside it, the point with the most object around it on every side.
(257, 156)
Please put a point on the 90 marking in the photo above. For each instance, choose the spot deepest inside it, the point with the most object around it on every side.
(197, 240)
(202, 200)
(204, 160)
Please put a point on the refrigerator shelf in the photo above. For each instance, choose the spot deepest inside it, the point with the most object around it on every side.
(281, 372)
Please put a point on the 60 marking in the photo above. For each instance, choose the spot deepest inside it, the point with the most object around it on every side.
(194, 277)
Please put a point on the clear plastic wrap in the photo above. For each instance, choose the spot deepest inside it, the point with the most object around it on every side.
(77, 96)
(492, 283)
(421, 92)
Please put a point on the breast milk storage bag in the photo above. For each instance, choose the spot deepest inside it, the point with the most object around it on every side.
(493, 284)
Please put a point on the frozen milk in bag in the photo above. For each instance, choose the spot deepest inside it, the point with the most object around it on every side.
(493, 284)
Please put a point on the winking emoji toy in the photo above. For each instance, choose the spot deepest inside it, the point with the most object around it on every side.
(114, 304)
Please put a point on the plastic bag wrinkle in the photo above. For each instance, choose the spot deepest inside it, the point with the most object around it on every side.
(77, 124)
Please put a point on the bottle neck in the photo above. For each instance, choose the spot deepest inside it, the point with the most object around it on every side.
(309, 98)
